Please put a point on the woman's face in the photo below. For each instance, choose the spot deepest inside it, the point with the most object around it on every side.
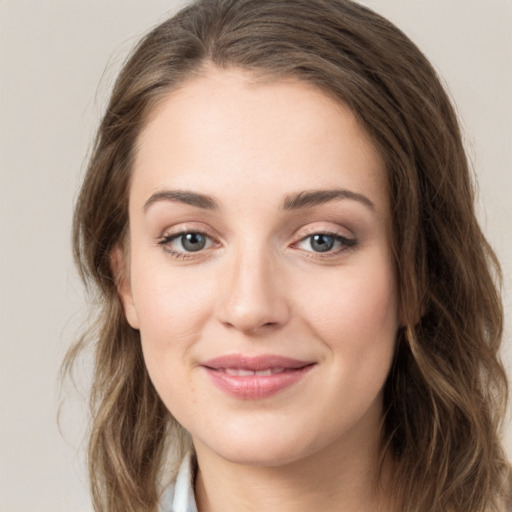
(260, 273)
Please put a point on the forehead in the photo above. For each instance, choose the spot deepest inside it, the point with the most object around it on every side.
(227, 126)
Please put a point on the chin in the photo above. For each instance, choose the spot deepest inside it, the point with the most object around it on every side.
(271, 456)
(268, 447)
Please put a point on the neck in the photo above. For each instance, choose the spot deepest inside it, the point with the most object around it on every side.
(347, 476)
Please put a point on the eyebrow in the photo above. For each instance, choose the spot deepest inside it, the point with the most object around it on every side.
(300, 200)
(310, 198)
(185, 197)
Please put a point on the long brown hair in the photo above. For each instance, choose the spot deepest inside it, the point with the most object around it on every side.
(446, 393)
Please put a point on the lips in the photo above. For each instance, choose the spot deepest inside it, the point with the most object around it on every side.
(252, 378)
(246, 373)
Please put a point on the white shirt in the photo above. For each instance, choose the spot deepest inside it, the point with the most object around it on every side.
(179, 496)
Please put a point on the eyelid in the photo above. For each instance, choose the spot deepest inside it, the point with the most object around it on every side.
(171, 234)
(348, 242)
(187, 227)
(323, 228)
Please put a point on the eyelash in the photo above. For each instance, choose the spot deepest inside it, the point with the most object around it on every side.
(346, 244)
(166, 240)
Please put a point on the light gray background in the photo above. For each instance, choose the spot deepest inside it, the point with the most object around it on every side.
(53, 54)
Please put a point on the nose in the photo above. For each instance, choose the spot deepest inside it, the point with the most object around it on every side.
(253, 298)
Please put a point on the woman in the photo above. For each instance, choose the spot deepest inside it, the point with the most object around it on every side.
(296, 298)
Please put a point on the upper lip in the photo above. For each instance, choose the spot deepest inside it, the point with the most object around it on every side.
(255, 363)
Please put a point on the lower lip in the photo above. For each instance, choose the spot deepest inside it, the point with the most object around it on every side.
(256, 387)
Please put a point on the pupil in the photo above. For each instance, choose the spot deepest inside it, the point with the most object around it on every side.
(193, 242)
(322, 243)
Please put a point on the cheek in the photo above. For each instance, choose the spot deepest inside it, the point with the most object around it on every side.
(356, 313)
(170, 324)
(170, 304)
(359, 302)
(172, 308)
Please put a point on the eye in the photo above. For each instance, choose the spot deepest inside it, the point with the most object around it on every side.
(192, 242)
(180, 244)
(325, 243)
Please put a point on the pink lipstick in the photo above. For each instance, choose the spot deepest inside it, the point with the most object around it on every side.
(253, 378)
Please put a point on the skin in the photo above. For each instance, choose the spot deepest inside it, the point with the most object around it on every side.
(259, 286)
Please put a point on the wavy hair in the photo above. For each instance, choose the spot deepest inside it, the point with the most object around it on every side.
(445, 396)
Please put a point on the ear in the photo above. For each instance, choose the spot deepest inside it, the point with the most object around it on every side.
(120, 270)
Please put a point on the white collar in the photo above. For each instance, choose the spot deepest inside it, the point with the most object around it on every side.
(179, 496)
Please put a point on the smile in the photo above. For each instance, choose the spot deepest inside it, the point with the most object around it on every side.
(246, 373)
(255, 378)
